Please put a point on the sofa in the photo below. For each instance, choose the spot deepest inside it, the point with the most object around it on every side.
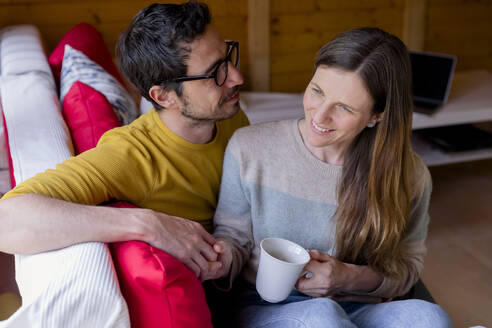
(37, 138)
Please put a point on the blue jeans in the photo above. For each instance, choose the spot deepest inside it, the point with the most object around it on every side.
(300, 310)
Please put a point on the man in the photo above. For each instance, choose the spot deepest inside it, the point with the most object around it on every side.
(168, 162)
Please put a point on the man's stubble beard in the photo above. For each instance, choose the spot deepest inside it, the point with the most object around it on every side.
(189, 112)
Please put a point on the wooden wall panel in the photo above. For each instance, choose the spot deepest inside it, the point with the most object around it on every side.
(462, 28)
(414, 24)
(259, 44)
(300, 28)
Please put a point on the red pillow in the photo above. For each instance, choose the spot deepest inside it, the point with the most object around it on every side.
(160, 291)
(86, 38)
(88, 115)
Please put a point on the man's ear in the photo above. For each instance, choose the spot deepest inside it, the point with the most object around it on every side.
(165, 97)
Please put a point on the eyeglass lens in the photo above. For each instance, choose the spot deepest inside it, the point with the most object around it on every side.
(222, 70)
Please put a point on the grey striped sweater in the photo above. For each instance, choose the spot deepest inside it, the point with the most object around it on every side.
(272, 186)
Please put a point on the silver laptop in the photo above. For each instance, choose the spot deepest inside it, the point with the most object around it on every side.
(432, 76)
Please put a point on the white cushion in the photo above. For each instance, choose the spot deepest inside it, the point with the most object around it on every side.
(21, 51)
(71, 287)
(38, 136)
(76, 66)
(74, 286)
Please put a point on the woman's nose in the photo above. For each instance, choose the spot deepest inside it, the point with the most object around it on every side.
(323, 113)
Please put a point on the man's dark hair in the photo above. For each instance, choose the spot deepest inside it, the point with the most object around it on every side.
(155, 46)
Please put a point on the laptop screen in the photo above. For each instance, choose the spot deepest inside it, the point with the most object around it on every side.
(431, 76)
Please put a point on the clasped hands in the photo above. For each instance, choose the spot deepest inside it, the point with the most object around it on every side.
(191, 244)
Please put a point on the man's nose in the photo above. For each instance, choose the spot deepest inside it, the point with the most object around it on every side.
(234, 76)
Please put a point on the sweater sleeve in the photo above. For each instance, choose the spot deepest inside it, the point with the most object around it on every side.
(413, 243)
(232, 220)
(95, 176)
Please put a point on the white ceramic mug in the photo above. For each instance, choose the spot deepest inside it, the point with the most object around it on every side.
(281, 264)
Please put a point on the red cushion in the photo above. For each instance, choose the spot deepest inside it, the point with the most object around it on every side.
(88, 115)
(86, 38)
(160, 291)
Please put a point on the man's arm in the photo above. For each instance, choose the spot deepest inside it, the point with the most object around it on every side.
(118, 168)
(34, 223)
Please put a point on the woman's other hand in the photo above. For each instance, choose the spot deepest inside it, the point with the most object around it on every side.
(333, 278)
(327, 276)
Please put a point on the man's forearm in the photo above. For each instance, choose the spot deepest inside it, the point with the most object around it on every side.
(34, 223)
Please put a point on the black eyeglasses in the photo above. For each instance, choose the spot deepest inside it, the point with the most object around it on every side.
(220, 72)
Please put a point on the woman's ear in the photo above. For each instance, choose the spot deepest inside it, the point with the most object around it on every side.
(376, 118)
(164, 97)
(379, 116)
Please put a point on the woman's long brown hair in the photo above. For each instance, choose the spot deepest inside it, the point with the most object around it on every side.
(374, 192)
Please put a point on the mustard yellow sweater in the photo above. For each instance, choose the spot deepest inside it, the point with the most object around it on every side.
(146, 164)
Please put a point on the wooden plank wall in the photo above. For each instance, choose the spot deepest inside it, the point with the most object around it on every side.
(297, 28)
(463, 28)
(300, 28)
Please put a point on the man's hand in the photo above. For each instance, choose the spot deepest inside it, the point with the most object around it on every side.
(187, 241)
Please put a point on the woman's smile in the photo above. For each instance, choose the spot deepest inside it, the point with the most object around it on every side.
(319, 130)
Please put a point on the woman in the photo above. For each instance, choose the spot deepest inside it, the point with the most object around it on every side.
(342, 182)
